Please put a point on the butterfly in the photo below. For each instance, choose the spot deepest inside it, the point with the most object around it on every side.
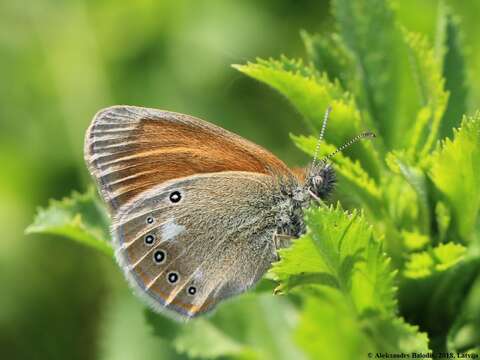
(198, 213)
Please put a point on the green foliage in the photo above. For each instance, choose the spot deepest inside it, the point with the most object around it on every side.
(311, 92)
(365, 280)
(440, 258)
(341, 251)
(417, 179)
(460, 189)
(329, 54)
(81, 218)
(464, 332)
(433, 97)
(367, 28)
(348, 285)
(201, 339)
(330, 329)
(414, 240)
(251, 327)
(449, 48)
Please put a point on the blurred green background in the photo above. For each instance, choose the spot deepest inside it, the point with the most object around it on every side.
(61, 61)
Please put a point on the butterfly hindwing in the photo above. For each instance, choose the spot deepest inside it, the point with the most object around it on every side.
(188, 243)
(130, 150)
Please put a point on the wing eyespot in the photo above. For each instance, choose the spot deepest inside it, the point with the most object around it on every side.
(175, 197)
(173, 277)
(149, 239)
(150, 220)
(192, 290)
(159, 256)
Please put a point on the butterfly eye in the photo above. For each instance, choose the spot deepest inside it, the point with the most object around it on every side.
(150, 220)
(192, 290)
(175, 197)
(172, 277)
(149, 239)
(318, 180)
(159, 256)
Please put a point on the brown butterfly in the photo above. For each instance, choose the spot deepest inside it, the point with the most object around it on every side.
(198, 212)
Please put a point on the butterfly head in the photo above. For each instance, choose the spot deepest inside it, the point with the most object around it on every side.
(320, 181)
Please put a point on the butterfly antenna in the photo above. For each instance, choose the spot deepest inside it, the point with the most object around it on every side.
(320, 137)
(356, 139)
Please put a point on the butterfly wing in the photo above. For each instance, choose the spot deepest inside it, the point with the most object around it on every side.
(132, 149)
(188, 243)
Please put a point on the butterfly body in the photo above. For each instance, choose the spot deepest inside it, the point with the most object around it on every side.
(198, 213)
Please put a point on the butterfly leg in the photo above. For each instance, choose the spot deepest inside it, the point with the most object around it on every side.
(313, 195)
(316, 198)
(276, 244)
(281, 241)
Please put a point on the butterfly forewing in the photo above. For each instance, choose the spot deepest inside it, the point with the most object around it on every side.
(190, 242)
(131, 149)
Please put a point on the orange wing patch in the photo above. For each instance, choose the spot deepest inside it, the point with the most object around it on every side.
(131, 149)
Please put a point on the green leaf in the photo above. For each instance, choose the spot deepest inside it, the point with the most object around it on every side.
(329, 54)
(437, 259)
(80, 218)
(465, 332)
(373, 281)
(448, 255)
(197, 339)
(265, 285)
(402, 213)
(443, 218)
(347, 284)
(414, 240)
(202, 340)
(367, 27)
(247, 327)
(311, 93)
(354, 181)
(455, 167)
(449, 48)
(433, 97)
(296, 269)
(443, 292)
(329, 329)
(416, 178)
(395, 335)
(339, 251)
